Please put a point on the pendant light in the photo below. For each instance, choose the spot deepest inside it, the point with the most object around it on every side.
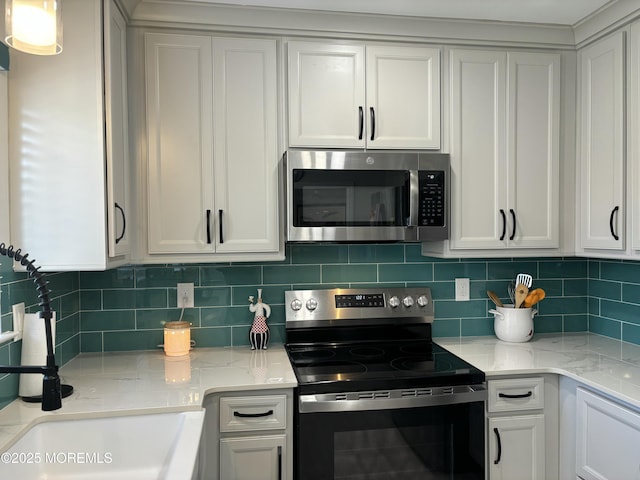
(34, 26)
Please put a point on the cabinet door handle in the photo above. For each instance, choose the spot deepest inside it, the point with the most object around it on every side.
(499, 454)
(373, 122)
(613, 233)
(279, 462)
(504, 224)
(253, 415)
(124, 222)
(361, 127)
(513, 217)
(519, 395)
(220, 226)
(208, 226)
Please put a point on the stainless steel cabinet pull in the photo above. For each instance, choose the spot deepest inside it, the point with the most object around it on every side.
(124, 222)
(208, 226)
(253, 415)
(513, 217)
(613, 233)
(361, 115)
(504, 224)
(373, 122)
(499, 455)
(220, 225)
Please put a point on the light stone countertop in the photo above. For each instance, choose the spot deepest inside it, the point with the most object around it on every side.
(606, 364)
(150, 382)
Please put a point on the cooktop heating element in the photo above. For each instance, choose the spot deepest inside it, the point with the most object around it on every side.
(368, 339)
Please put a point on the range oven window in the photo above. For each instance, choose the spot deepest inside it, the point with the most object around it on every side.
(350, 198)
(435, 442)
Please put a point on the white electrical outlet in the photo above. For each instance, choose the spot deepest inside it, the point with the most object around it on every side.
(185, 295)
(462, 289)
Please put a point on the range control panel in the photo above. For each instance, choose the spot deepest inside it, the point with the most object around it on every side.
(306, 308)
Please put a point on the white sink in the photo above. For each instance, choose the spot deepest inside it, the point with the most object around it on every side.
(149, 446)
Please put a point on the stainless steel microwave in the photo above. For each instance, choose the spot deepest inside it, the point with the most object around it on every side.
(335, 196)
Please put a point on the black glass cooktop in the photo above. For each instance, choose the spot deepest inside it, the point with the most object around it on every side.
(327, 368)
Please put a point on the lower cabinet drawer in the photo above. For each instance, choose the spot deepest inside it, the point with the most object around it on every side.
(511, 394)
(242, 414)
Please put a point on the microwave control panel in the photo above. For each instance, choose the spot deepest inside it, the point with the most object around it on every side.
(432, 199)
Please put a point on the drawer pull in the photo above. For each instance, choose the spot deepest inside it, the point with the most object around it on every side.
(521, 395)
(253, 415)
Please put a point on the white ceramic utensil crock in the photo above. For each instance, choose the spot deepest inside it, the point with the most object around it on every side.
(513, 324)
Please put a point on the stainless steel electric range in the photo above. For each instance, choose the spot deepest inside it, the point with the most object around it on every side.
(376, 398)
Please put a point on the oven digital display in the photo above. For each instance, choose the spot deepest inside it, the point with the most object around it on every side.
(360, 300)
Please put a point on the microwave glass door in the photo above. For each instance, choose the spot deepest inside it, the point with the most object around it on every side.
(350, 198)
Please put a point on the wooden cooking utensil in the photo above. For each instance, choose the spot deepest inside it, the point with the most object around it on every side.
(495, 298)
(521, 294)
(534, 297)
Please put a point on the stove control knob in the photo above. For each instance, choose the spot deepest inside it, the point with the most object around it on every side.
(296, 305)
(407, 301)
(394, 302)
(312, 304)
(423, 301)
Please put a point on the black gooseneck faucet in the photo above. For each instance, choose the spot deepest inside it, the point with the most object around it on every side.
(51, 390)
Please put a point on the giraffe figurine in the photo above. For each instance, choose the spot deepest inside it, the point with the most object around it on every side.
(259, 334)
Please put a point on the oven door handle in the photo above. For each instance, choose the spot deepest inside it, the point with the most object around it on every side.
(393, 399)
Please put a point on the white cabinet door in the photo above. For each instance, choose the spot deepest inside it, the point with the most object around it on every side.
(117, 125)
(505, 114)
(533, 150)
(516, 448)
(478, 157)
(403, 97)
(253, 458)
(601, 155)
(633, 104)
(339, 100)
(607, 439)
(245, 151)
(326, 95)
(179, 81)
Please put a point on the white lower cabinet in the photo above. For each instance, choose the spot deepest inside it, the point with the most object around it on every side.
(249, 458)
(522, 428)
(607, 439)
(516, 447)
(248, 436)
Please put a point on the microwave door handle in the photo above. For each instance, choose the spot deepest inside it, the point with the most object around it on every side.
(414, 198)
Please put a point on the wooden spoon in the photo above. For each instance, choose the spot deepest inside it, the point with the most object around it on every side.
(495, 298)
(534, 297)
(521, 294)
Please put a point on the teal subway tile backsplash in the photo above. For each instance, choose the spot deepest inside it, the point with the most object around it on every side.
(126, 308)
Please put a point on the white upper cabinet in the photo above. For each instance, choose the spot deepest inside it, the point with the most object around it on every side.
(601, 153)
(179, 104)
(65, 175)
(356, 96)
(117, 126)
(212, 122)
(504, 117)
(634, 139)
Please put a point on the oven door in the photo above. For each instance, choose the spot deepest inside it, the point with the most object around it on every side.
(443, 441)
